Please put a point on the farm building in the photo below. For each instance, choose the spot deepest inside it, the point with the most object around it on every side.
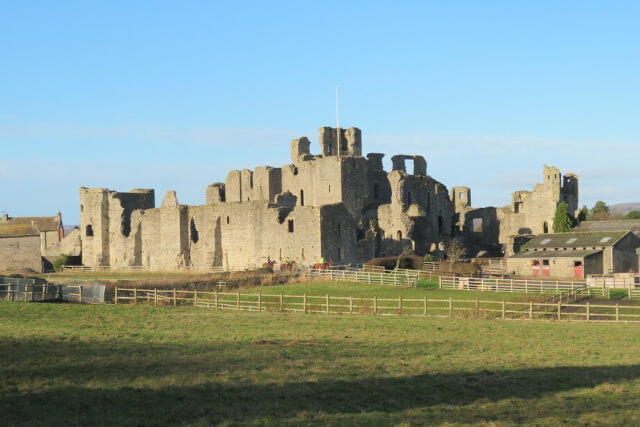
(577, 254)
(20, 247)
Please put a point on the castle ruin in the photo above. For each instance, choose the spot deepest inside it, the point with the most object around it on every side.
(337, 204)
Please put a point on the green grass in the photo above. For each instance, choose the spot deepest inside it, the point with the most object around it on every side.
(66, 364)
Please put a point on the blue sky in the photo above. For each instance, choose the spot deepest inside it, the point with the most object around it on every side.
(173, 95)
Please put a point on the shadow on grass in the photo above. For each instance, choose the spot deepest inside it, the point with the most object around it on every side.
(114, 383)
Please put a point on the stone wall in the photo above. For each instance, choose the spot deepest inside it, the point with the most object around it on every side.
(20, 252)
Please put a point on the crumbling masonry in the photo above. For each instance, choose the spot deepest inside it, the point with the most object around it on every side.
(338, 205)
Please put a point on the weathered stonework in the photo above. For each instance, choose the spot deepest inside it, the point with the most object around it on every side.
(530, 213)
(338, 205)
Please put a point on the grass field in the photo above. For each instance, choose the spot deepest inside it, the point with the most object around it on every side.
(140, 365)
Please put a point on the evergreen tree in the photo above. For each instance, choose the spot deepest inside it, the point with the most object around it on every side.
(561, 220)
(584, 214)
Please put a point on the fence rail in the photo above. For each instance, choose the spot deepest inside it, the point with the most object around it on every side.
(507, 285)
(397, 279)
(423, 307)
(139, 268)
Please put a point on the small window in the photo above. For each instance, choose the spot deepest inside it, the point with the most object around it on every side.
(461, 195)
(399, 235)
(302, 253)
(301, 197)
(89, 231)
(329, 189)
(545, 262)
(477, 225)
(227, 219)
(290, 224)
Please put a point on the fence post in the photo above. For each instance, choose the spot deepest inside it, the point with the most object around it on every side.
(327, 304)
(350, 305)
(135, 296)
(526, 286)
(588, 311)
(530, 310)
(116, 296)
(399, 305)
(369, 277)
(155, 297)
(511, 285)
(440, 282)
(558, 286)
(215, 298)
(450, 307)
(281, 303)
(559, 309)
(617, 312)
(503, 310)
(260, 301)
(26, 292)
(375, 304)
(175, 299)
(237, 301)
(304, 304)
(425, 306)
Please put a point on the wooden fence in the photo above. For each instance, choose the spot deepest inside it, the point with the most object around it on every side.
(137, 268)
(422, 307)
(393, 278)
(26, 292)
(507, 285)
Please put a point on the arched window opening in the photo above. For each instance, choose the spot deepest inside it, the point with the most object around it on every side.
(545, 227)
(399, 235)
(89, 231)
(290, 225)
(301, 197)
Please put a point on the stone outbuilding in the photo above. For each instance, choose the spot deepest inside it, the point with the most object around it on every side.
(20, 247)
(577, 254)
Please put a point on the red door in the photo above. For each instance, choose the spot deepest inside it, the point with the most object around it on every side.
(577, 269)
(536, 268)
(545, 267)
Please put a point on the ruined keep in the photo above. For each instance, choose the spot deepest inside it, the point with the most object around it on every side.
(338, 205)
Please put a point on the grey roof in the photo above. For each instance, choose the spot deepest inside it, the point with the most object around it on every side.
(18, 230)
(556, 254)
(575, 240)
(44, 223)
(633, 225)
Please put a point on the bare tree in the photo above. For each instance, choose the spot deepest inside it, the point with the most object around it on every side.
(455, 251)
(405, 252)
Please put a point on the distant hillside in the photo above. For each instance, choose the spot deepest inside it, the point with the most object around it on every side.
(624, 208)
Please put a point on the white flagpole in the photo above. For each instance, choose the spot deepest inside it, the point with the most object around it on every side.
(338, 120)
